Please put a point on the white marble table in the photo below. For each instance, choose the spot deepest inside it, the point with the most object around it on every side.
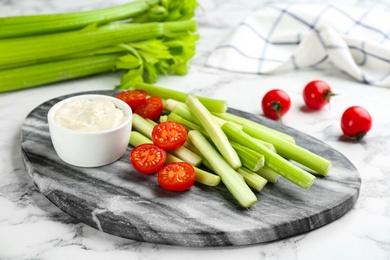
(31, 227)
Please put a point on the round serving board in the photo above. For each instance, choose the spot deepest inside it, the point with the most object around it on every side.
(121, 201)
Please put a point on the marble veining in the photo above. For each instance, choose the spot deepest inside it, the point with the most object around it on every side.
(117, 199)
(32, 227)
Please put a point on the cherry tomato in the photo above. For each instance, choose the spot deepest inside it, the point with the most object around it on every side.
(169, 135)
(275, 104)
(176, 176)
(356, 122)
(317, 94)
(148, 158)
(151, 108)
(133, 98)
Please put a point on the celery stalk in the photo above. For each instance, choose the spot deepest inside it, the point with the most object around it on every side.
(237, 187)
(13, 50)
(214, 131)
(39, 74)
(201, 176)
(291, 151)
(18, 26)
(252, 179)
(214, 105)
(182, 110)
(268, 174)
(273, 160)
(249, 158)
(244, 121)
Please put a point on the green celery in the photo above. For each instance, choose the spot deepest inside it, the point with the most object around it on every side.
(18, 26)
(214, 105)
(249, 158)
(252, 179)
(13, 51)
(244, 121)
(268, 174)
(201, 176)
(214, 131)
(142, 125)
(273, 160)
(45, 73)
(187, 124)
(236, 185)
(291, 151)
(182, 110)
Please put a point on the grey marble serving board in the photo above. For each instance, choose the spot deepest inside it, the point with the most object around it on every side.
(121, 201)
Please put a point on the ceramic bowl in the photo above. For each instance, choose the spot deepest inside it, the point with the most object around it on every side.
(90, 149)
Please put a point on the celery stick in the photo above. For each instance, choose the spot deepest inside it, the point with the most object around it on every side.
(214, 105)
(18, 26)
(291, 151)
(144, 127)
(182, 110)
(244, 121)
(237, 187)
(273, 160)
(214, 131)
(187, 124)
(249, 158)
(171, 103)
(163, 118)
(201, 176)
(136, 138)
(252, 179)
(141, 125)
(268, 174)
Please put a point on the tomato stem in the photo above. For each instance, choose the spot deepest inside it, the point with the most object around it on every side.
(277, 107)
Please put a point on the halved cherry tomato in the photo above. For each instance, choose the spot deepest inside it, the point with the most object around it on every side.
(151, 108)
(317, 94)
(133, 98)
(275, 104)
(356, 122)
(169, 135)
(147, 158)
(176, 176)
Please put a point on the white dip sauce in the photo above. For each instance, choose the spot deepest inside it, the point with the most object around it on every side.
(89, 115)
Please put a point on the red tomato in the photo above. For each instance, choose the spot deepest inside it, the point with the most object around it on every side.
(275, 104)
(356, 122)
(169, 135)
(147, 158)
(133, 98)
(317, 94)
(151, 108)
(176, 176)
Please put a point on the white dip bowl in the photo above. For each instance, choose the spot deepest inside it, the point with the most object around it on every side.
(90, 148)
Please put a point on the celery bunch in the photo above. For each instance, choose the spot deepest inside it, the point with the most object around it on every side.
(144, 38)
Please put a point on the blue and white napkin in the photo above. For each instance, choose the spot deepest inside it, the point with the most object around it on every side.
(280, 38)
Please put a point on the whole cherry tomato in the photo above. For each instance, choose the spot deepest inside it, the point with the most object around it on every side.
(148, 158)
(176, 176)
(275, 104)
(133, 98)
(356, 122)
(169, 135)
(317, 94)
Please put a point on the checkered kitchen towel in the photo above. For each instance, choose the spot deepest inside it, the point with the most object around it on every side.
(280, 38)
